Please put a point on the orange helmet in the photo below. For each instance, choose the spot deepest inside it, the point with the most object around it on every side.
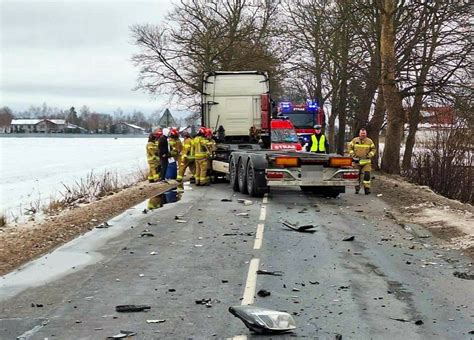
(158, 132)
(174, 132)
(202, 131)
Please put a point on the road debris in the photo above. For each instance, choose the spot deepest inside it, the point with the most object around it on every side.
(147, 233)
(338, 337)
(464, 275)
(349, 239)
(314, 282)
(226, 200)
(156, 321)
(145, 211)
(419, 322)
(263, 293)
(250, 233)
(267, 272)
(308, 228)
(131, 308)
(181, 221)
(153, 253)
(302, 211)
(241, 214)
(264, 321)
(122, 335)
(244, 201)
(103, 225)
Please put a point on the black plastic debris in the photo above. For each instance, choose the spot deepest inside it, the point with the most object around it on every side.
(131, 308)
(314, 282)
(349, 239)
(37, 305)
(263, 293)
(302, 211)
(122, 335)
(226, 200)
(147, 234)
(338, 337)
(464, 275)
(202, 301)
(308, 228)
(171, 290)
(419, 322)
(267, 272)
(399, 319)
(145, 211)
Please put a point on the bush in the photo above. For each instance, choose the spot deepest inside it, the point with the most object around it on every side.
(445, 162)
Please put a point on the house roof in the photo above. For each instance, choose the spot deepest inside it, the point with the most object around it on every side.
(57, 121)
(25, 121)
(133, 126)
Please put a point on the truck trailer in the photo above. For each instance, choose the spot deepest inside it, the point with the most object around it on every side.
(238, 106)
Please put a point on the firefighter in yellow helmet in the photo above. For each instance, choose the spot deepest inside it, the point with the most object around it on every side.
(211, 147)
(201, 155)
(186, 158)
(152, 158)
(362, 149)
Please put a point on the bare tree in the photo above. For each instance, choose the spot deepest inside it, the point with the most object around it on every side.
(202, 36)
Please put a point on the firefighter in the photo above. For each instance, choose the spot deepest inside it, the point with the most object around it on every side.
(362, 149)
(157, 133)
(152, 158)
(201, 155)
(175, 144)
(211, 147)
(186, 158)
(318, 142)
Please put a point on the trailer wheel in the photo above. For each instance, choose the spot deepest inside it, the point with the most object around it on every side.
(252, 180)
(233, 175)
(242, 177)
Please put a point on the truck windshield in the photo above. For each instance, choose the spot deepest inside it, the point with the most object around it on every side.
(284, 136)
(302, 120)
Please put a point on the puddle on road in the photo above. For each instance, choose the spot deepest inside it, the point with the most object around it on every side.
(80, 252)
(158, 201)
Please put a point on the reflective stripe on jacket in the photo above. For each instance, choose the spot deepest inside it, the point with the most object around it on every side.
(318, 146)
(200, 148)
(151, 148)
(362, 148)
(187, 150)
(175, 146)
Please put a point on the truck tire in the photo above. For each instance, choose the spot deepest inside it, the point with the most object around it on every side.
(233, 174)
(242, 176)
(252, 184)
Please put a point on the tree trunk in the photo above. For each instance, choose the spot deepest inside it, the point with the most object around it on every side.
(331, 131)
(342, 103)
(414, 119)
(375, 125)
(392, 98)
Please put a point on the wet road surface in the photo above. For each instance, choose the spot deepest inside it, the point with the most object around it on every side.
(386, 283)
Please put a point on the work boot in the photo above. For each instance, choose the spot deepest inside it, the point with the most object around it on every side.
(192, 180)
(357, 189)
(367, 191)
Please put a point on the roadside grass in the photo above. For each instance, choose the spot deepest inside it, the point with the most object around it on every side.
(91, 188)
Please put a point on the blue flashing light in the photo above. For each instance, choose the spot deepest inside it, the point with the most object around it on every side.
(312, 106)
(286, 107)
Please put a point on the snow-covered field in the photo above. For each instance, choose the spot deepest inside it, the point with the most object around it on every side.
(34, 168)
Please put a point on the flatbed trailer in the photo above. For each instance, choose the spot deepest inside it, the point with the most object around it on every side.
(254, 171)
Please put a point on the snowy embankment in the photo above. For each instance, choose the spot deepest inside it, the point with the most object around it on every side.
(35, 169)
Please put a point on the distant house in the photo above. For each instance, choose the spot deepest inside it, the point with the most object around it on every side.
(37, 126)
(434, 119)
(72, 128)
(127, 128)
(167, 120)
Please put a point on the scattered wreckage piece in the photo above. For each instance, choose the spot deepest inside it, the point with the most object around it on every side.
(267, 272)
(263, 320)
(122, 335)
(349, 239)
(308, 228)
(131, 308)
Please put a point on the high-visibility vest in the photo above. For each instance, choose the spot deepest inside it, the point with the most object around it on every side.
(318, 146)
(200, 148)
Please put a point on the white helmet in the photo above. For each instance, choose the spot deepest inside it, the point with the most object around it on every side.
(166, 132)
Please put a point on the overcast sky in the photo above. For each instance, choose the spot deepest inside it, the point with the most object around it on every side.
(73, 53)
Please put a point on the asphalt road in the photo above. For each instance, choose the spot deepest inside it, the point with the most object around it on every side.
(386, 284)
